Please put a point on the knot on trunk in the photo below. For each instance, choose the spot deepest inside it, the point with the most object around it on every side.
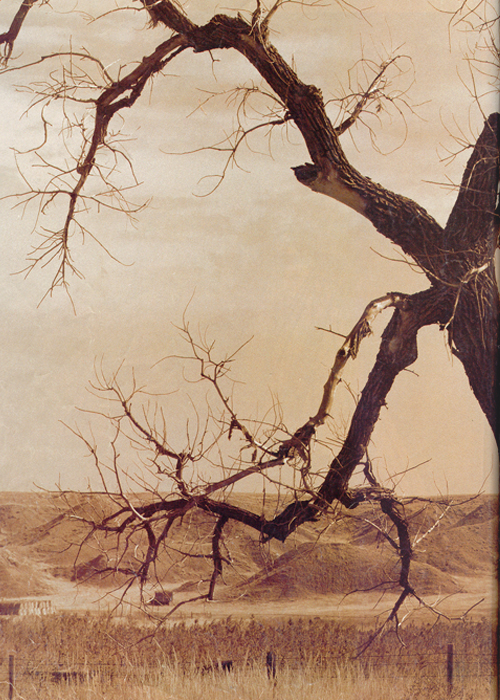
(220, 33)
(306, 174)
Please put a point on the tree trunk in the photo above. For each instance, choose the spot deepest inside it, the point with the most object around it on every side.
(458, 260)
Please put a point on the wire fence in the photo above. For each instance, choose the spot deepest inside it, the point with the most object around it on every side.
(449, 667)
(48, 656)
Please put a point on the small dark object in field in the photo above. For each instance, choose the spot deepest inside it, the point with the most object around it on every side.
(10, 608)
(226, 666)
(68, 676)
(160, 598)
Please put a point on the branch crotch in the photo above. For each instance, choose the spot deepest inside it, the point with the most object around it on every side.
(399, 341)
(398, 350)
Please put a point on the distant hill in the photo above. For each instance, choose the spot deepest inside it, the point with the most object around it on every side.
(39, 546)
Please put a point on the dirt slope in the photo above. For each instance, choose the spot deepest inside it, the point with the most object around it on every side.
(452, 542)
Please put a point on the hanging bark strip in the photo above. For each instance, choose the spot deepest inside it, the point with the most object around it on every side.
(348, 350)
(216, 555)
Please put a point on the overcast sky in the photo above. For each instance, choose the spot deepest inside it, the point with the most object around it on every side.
(262, 257)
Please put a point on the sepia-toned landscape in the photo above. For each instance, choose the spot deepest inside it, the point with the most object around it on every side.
(313, 603)
(250, 312)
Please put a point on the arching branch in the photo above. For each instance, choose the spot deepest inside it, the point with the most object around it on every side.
(331, 173)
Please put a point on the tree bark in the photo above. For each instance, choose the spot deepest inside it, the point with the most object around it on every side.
(457, 259)
(462, 299)
(470, 240)
(398, 350)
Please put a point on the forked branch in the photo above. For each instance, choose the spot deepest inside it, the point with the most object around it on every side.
(156, 517)
(9, 37)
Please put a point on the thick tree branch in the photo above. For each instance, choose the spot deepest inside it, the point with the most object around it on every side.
(400, 219)
(9, 37)
(349, 349)
(398, 350)
(216, 554)
(469, 226)
(392, 509)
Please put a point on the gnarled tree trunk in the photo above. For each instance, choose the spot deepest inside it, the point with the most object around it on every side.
(457, 259)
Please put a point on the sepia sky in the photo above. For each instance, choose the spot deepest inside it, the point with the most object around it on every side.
(261, 257)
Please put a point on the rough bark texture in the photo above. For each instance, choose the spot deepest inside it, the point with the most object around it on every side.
(8, 38)
(457, 259)
(470, 239)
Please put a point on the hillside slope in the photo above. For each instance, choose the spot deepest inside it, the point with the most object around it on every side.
(39, 544)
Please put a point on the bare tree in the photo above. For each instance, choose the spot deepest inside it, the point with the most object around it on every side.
(458, 260)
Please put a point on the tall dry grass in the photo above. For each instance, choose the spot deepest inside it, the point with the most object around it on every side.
(307, 683)
(119, 661)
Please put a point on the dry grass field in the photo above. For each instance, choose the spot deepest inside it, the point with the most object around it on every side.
(304, 602)
(69, 656)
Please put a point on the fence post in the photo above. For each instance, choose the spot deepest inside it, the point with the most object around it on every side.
(11, 675)
(449, 667)
(271, 664)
